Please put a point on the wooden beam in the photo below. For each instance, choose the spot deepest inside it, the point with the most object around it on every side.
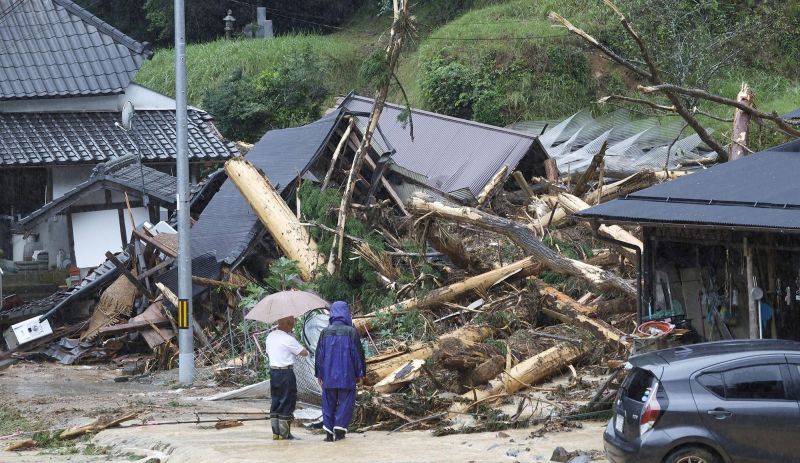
(149, 240)
(523, 184)
(133, 326)
(491, 188)
(166, 263)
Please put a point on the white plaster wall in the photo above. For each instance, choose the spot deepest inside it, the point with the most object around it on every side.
(141, 97)
(97, 232)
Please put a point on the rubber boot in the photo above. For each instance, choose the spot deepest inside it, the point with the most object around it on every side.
(328, 436)
(339, 434)
(285, 430)
(276, 429)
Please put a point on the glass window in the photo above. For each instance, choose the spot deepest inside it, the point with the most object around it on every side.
(637, 384)
(713, 382)
(754, 382)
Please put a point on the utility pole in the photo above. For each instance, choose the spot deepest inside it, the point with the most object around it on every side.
(185, 340)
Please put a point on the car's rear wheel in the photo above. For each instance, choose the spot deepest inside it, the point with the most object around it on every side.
(692, 454)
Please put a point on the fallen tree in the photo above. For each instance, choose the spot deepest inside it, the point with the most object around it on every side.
(522, 267)
(525, 237)
(530, 371)
(567, 310)
(380, 367)
(293, 239)
(574, 204)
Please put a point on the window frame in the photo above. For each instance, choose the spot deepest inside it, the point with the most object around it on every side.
(789, 378)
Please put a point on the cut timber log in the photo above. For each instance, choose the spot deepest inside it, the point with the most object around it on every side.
(574, 204)
(96, 425)
(380, 367)
(525, 238)
(491, 188)
(529, 372)
(293, 239)
(450, 292)
(631, 184)
(565, 309)
(741, 120)
(396, 379)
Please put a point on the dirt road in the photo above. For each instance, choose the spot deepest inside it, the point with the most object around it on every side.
(45, 396)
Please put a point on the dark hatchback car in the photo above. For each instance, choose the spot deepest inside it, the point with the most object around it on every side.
(728, 401)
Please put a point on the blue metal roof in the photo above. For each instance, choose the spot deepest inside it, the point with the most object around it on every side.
(758, 191)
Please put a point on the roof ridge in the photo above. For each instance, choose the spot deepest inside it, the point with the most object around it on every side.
(356, 96)
(142, 48)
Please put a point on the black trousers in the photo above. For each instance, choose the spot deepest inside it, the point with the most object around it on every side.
(283, 390)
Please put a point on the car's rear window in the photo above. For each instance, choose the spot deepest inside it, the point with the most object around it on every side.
(637, 383)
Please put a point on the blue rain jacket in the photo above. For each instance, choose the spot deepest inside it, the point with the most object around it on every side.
(340, 356)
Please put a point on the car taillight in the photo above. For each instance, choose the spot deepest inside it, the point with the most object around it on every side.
(651, 412)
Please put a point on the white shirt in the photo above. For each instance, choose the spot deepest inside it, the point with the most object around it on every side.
(281, 348)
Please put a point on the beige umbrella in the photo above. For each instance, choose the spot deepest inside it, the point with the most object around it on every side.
(285, 304)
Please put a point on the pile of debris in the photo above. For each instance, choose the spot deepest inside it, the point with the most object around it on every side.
(468, 296)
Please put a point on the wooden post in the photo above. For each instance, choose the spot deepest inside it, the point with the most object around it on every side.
(582, 184)
(523, 184)
(551, 170)
(275, 214)
(335, 157)
(751, 303)
(741, 120)
(772, 289)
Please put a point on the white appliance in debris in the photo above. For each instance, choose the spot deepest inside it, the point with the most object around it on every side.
(27, 331)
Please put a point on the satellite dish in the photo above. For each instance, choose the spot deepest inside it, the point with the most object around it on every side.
(127, 115)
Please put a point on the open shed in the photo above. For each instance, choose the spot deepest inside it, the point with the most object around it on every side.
(721, 246)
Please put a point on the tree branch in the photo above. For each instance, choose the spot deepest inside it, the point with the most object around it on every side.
(651, 104)
(702, 94)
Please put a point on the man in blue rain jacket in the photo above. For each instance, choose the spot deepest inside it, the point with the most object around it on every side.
(339, 365)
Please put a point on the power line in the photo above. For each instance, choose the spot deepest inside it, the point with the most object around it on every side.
(294, 14)
(500, 39)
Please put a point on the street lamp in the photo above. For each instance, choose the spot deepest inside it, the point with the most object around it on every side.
(228, 20)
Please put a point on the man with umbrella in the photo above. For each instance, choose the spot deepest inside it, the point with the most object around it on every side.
(282, 349)
(339, 366)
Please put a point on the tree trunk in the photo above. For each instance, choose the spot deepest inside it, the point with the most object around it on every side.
(380, 367)
(491, 188)
(336, 153)
(398, 34)
(529, 372)
(525, 238)
(276, 215)
(741, 120)
(551, 170)
(574, 204)
(630, 184)
(565, 309)
(448, 293)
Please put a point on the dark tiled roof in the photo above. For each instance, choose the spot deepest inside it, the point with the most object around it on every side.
(457, 156)
(757, 191)
(55, 48)
(203, 266)
(228, 225)
(122, 174)
(30, 139)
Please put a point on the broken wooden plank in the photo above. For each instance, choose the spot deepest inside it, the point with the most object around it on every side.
(160, 246)
(523, 184)
(293, 239)
(132, 326)
(403, 375)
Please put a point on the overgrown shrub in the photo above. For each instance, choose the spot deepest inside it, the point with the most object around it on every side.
(461, 91)
(290, 95)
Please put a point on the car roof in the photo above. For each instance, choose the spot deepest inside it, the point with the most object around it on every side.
(709, 353)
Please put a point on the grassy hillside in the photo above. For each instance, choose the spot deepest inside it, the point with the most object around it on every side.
(506, 49)
(207, 64)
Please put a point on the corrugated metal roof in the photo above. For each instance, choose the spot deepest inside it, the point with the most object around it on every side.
(125, 172)
(758, 191)
(55, 48)
(228, 224)
(455, 155)
(792, 115)
(32, 139)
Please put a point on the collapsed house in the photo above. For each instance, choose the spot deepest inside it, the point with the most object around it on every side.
(721, 246)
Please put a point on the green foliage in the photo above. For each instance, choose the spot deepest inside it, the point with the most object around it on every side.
(284, 274)
(407, 326)
(375, 70)
(292, 94)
